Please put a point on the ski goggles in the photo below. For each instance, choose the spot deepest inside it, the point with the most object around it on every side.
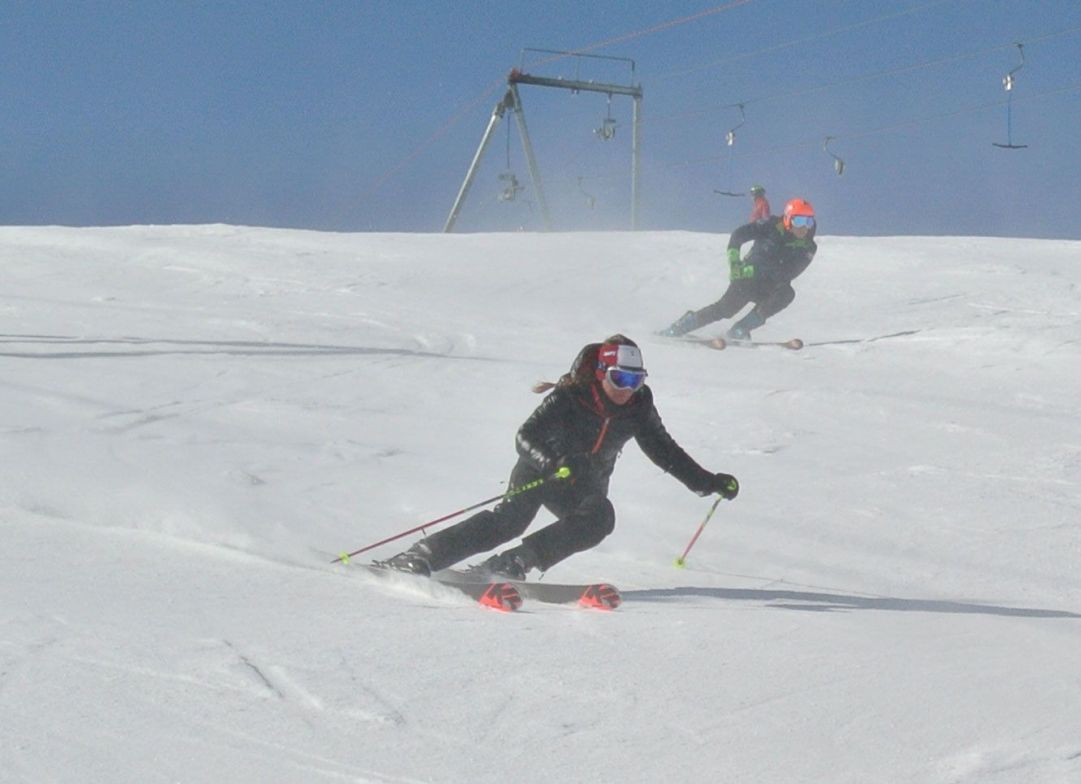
(802, 222)
(625, 379)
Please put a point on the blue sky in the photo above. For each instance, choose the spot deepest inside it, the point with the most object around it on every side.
(364, 116)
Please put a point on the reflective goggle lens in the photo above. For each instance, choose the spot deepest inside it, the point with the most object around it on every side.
(626, 379)
(803, 221)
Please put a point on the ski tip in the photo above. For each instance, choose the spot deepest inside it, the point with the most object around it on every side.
(601, 596)
(503, 597)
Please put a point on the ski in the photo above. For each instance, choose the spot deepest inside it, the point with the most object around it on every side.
(594, 596)
(795, 344)
(720, 344)
(498, 595)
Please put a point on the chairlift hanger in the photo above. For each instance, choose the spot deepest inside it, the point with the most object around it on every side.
(1007, 85)
(838, 164)
(607, 131)
(730, 137)
(511, 186)
(730, 142)
(1007, 80)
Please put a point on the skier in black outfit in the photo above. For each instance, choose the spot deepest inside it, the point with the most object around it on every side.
(582, 425)
(783, 248)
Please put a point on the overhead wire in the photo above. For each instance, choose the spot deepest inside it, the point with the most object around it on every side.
(439, 133)
(465, 109)
(804, 40)
(879, 130)
(456, 116)
(650, 30)
(861, 78)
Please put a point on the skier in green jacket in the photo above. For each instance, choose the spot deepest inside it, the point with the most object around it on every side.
(783, 248)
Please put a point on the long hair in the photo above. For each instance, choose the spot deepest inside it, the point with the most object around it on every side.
(584, 366)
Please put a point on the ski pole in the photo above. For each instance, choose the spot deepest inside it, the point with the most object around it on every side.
(682, 560)
(561, 473)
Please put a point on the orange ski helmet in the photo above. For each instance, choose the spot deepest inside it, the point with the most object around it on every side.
(797, 207)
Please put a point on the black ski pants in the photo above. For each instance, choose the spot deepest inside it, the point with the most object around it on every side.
(585, 518)
(768, 297)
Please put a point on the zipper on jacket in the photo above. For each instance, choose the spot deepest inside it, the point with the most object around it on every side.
(604, 425)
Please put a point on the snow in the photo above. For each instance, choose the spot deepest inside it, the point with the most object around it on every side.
(198, 419)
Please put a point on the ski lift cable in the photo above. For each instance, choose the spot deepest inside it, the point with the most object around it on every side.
(881, 129)
(380, 181)
(718, 9)
(439, 133)
(798, 41)
(861, 78)
(966, 110)
(466, 108)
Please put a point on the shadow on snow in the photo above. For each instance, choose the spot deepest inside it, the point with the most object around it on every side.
(826, 602)
(207, 347)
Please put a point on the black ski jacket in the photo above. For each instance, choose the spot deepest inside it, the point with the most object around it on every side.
(778, 256)
(579, 419)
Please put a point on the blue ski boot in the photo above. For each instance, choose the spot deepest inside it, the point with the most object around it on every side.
(681, 326)
(741, 330)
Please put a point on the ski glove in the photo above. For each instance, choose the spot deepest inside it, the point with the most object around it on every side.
(737, 269)
(579, 465)
(725, 484)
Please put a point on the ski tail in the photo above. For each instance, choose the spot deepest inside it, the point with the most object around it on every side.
(503, 597)
(600, 596)
(594, 596)
(591, 596)
(495, 594)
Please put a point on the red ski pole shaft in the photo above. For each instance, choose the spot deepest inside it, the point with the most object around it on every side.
(346, 556)
(562, 473)
(682, 560)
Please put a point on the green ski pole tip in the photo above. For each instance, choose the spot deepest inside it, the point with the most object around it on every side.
(562, 472)
(680, 563)
(344, 558)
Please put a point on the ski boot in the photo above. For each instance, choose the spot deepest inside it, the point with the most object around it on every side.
(415, 560)
(510, 565)
(681, 326)
(741, 330)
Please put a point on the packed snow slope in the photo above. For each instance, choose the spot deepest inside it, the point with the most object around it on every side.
(197, 419)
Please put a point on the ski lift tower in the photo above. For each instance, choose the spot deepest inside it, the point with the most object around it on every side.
(512, 101)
